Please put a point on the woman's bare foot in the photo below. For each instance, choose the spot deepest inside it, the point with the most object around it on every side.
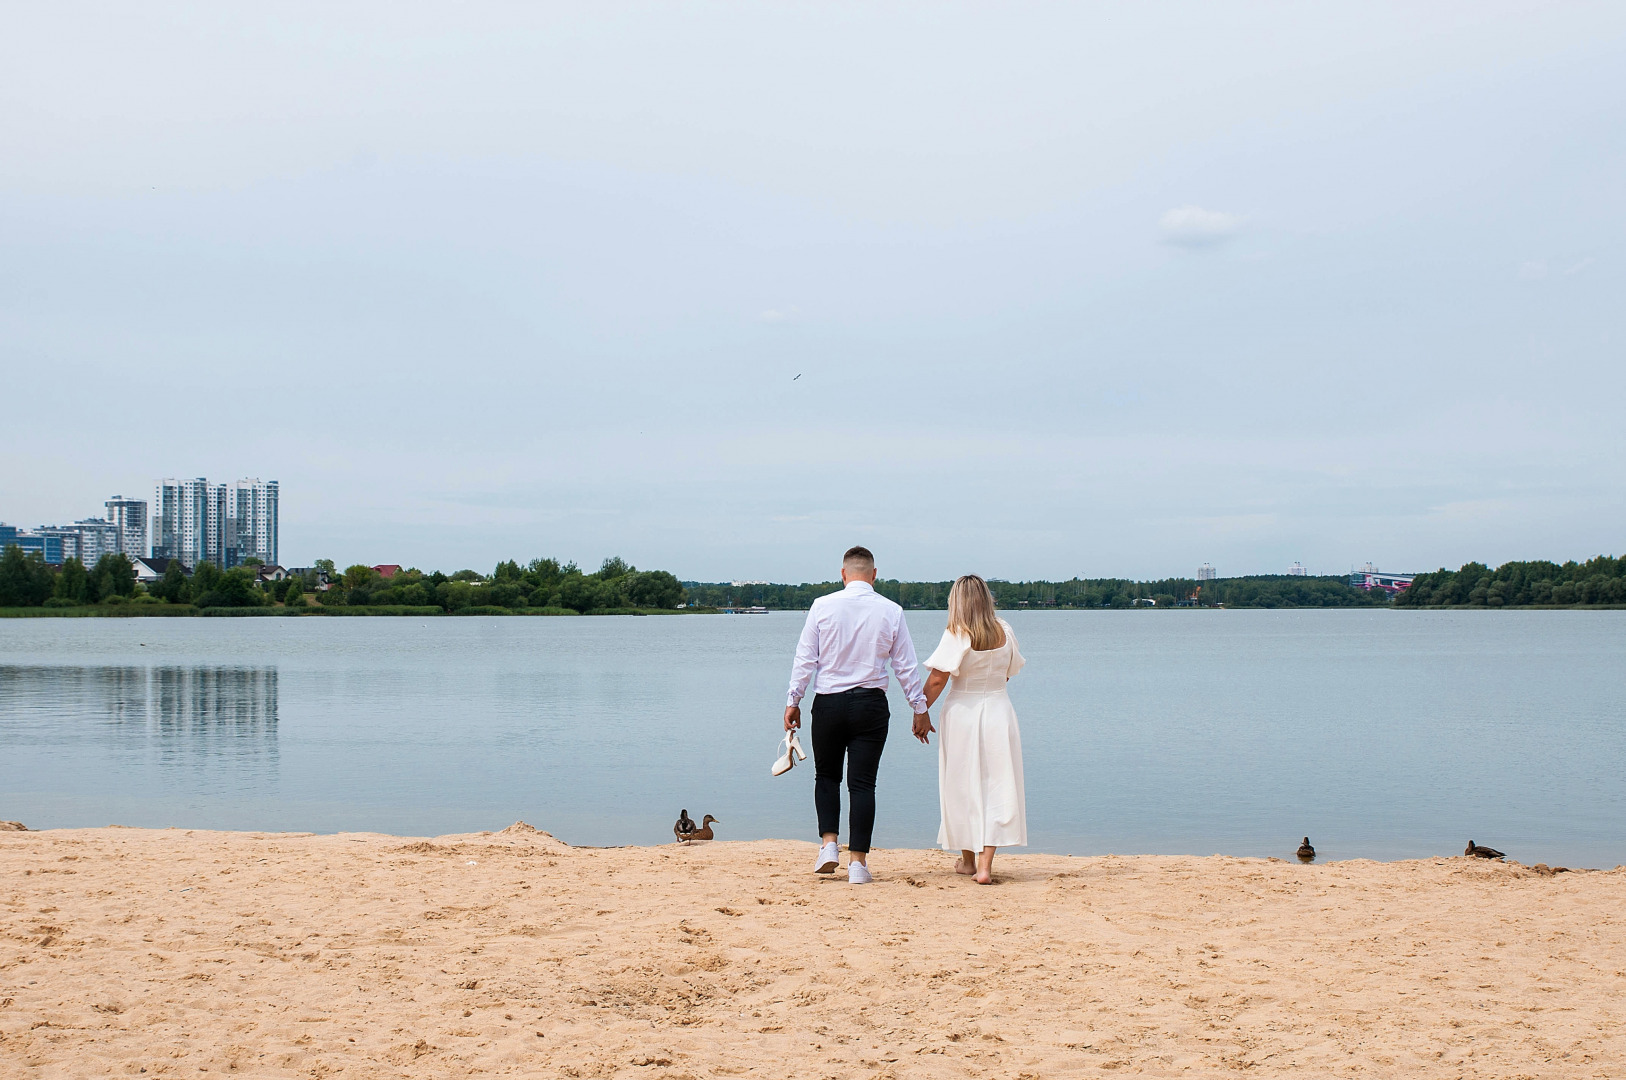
(985, 867)
(965, 864)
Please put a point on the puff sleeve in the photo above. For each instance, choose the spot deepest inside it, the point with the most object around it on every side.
(950, 653)
(1018, 661)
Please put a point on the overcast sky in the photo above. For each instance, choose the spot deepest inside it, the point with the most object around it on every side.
(1032, 291)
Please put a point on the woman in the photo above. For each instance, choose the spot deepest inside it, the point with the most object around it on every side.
(979, 752)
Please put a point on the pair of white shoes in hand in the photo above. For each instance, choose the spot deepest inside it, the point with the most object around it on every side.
(793, 751)
(830, 858)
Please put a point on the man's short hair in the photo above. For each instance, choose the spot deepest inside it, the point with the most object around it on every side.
(858, 558)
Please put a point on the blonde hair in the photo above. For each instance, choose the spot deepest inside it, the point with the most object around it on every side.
(971, 612)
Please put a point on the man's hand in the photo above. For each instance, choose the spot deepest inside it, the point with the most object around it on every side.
(793, 717)
(923, 726)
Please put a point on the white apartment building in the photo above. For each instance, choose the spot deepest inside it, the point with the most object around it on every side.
(166, 520)
(86, 540)
(195, 521)
(188, 522)
(1206, 572)
(129, 516)
(252, 526)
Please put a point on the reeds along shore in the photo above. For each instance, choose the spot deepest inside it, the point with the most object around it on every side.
(176, 952)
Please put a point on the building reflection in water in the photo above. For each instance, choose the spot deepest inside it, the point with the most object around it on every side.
(181, 713)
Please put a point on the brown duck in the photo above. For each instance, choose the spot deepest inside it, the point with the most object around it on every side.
(1306, 852)
(702, 833)
(685, 825)
(1480, 851)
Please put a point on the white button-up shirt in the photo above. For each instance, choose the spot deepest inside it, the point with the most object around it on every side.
(849, 637)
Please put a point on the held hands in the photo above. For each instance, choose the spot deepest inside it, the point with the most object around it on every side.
(922, 725)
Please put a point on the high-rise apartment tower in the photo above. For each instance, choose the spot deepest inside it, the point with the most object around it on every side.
(252, 525)
(129, 516)
(189, 522)
(195, 521)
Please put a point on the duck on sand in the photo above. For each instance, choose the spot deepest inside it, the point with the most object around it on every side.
(703, 832)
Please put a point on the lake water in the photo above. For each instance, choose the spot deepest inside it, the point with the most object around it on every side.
(1380, 734)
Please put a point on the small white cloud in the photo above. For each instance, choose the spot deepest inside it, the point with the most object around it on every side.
(1578, 267)
(1192, 226)
(773, 315)
(1533, 271)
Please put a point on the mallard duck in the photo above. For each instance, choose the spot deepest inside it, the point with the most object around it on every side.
(1306, 852)
(704, 832)
(1480, 851)
(685, 825)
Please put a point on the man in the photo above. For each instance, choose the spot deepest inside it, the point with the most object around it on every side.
(849, 637)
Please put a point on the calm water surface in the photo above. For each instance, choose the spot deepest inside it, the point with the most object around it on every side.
(1380, 734)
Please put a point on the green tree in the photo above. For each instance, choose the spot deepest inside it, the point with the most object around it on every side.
(504, 594)
(577, 592)
(113, 575)
(454, 595)
(294, 593)
(173, 586)
(25, 580)
(414, 594)
(237, 587)
(72, 582)
(654, 589)
(204, 578)
(357, 575)
(544, 574)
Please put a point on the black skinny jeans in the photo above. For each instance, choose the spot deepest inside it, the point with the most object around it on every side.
(850, 725)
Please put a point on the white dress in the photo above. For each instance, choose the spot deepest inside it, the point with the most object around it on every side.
(979, 750)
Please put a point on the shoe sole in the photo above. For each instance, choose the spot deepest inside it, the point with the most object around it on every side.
(827, 867)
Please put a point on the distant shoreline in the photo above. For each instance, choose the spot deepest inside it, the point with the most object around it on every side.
(186, 611)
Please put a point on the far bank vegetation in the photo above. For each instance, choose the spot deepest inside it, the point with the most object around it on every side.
(543, 586)
(548, 587)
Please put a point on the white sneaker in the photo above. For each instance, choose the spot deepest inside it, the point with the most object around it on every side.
(829, 857)
(858, 874)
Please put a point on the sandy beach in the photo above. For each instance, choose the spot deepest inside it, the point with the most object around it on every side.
(177, 953)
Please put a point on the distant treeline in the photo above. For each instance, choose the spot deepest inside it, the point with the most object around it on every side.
(1266, 591)
(1520, 584)
(26, 581)
(541, 586)
(545, 586)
